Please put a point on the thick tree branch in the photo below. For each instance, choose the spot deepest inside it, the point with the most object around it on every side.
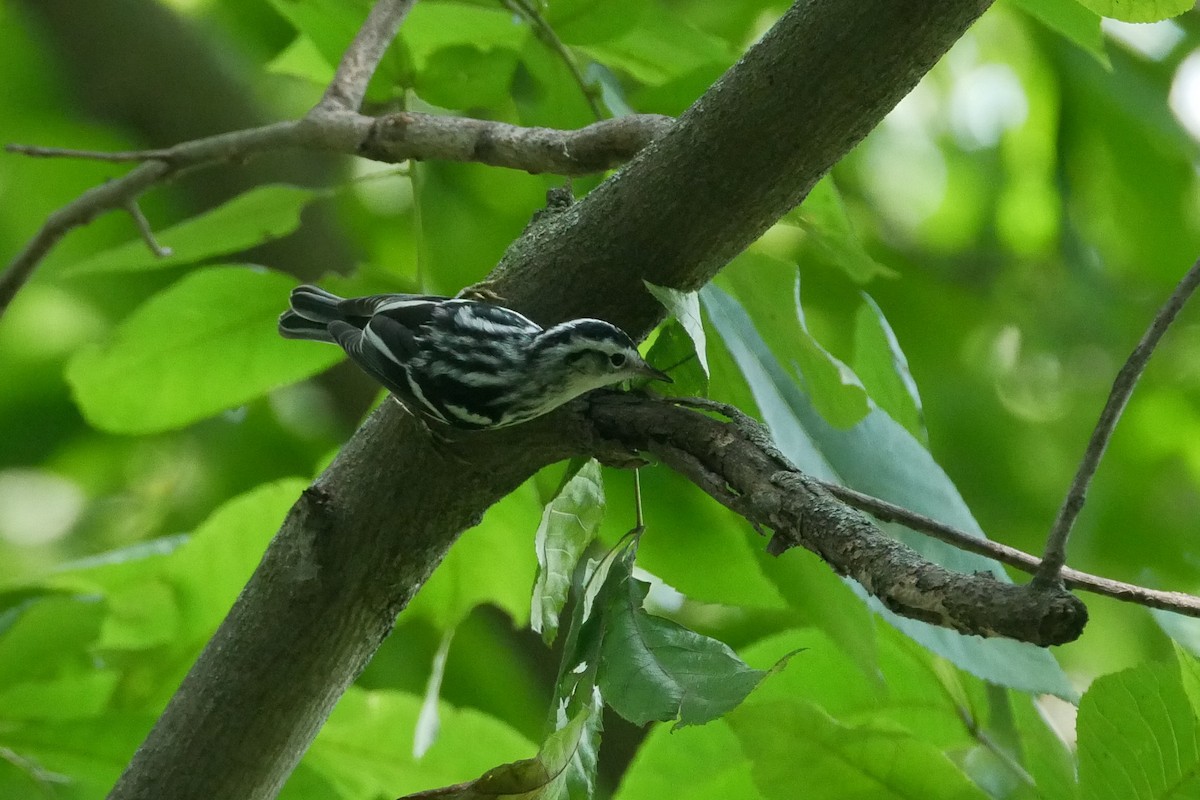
(738, 466)
(383, 515)
(1056, 543)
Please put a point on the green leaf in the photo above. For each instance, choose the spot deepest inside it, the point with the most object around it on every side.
(830, 236)
(660, 47)
(793, 743)
(542, 777)
(762, 285)
(89, 753)
(674, 352)
(653, 669)
(882, 367)
(49, 637)
(490, 563)
(365, 749)
(569, 523)
(464, 76)
(248, 220)
(879, 457)
(707, 760)
(1072, 20)
(430, 27)
(1138, 10)
(593, 21)
(684, 307)
(1139, 738)
(681, 348)
(203, 345)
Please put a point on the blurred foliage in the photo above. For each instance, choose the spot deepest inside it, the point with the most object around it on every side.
(938, 325)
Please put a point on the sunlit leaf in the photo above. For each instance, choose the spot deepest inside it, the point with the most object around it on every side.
(569, 523)
(1139, 737)
(203, 345)
(542, 777)
(794, 743)
(490, 563)
(248, 220)
(365, 749)
(1138, 10)
(1071, 19)
(831, 238)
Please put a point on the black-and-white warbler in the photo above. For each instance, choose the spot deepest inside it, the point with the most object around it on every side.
(466, 363)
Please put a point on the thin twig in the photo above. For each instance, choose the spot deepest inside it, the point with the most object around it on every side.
(393, 138)
(349, 85)
(1055, 555)
(546, 33)
(1186, 604)
(143, 226)
(119, 156)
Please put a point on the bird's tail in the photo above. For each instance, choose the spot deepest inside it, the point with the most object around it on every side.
(312, 309)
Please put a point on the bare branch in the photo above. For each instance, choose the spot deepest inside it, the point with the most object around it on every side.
(143, 226)
(730, 461)
(392, 139)
(118, 156)
(358, 64)
(1178, 602)
(1055, 555)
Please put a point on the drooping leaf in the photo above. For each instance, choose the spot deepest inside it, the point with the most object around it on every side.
(883, 368)
(830, 236)
(1138, 10)
(1139, 737)
(248, 220)
(674, 352)
(685, 308)
(793, 743)
(1071, 19)
(542, 777)
(205, 344)
(878, 457)
(569, 523)
(653, 669)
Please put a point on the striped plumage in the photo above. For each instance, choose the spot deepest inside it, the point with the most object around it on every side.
(466, 363)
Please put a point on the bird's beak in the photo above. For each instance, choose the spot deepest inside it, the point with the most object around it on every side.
(654, 374)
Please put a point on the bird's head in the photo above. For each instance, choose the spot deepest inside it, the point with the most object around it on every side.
(585, 354)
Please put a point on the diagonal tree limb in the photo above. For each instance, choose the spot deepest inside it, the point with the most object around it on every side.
(361, 541)
(1055, 555)
(750, 481)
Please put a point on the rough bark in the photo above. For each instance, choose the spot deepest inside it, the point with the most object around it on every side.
(363, 538)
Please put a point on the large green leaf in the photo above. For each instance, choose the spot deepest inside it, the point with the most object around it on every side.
(653, 669)
(490, 563)
(878, 457)
(1139, 738)
(248, 220)
(1071, 19)
(1138, 10)
(569, 523)
(830, 236)
(365, 749)
(203, 345)
(883, 368)
(792, 743)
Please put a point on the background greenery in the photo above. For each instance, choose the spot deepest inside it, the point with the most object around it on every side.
(1015, 223)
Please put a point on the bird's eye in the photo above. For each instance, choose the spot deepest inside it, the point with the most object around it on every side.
(617, 359)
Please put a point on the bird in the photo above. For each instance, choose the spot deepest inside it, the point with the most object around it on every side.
(468, 364)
